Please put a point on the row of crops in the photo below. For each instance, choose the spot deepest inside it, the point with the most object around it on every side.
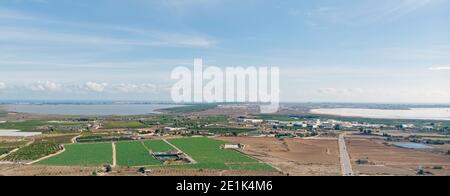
(6, 147)
(5, 150)
(92, 139)
(34, 151)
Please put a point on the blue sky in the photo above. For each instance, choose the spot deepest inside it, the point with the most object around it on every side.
(327, 50)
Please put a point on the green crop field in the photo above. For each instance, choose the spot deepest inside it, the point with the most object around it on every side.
(6, 147)
(33, 124)
(158, 146)
(13, 144)
(123, 125)
(208, 154)
(5, 150)
(134, 154)
(34, 151)
(83, 155)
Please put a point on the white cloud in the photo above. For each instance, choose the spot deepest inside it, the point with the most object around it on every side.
(88, 87)
(45, 86)
(135, 88)
(95, 87)
(102, 87)
(2, 85)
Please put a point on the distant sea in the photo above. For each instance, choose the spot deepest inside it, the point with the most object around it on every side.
(87, 109)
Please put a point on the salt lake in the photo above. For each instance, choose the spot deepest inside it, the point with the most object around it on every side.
(413, 113)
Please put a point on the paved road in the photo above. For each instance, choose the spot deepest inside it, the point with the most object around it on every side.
(346, 164)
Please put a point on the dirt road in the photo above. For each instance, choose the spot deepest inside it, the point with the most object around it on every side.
(114, 156)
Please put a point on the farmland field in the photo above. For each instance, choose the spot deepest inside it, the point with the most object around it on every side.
(5, 150)
(123, 125)
(7, 146)
(208, 154)
(134, 154)
(298, 157)
(83, 155)
(34, 151)
(192, 108)
(158, 146)
(12, 144)
(33, 124)
(224, 130)
(57, 138)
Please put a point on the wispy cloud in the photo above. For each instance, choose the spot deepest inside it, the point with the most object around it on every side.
(439, 68)
(185, 3)
(364, 12)
(142, 37)
(13, 15)
(2, 85)
(394, 9)
(28, 35)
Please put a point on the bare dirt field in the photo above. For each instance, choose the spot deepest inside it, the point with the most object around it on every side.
(132, 171)
(37, 170)
(391, 160)
(297, 157)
